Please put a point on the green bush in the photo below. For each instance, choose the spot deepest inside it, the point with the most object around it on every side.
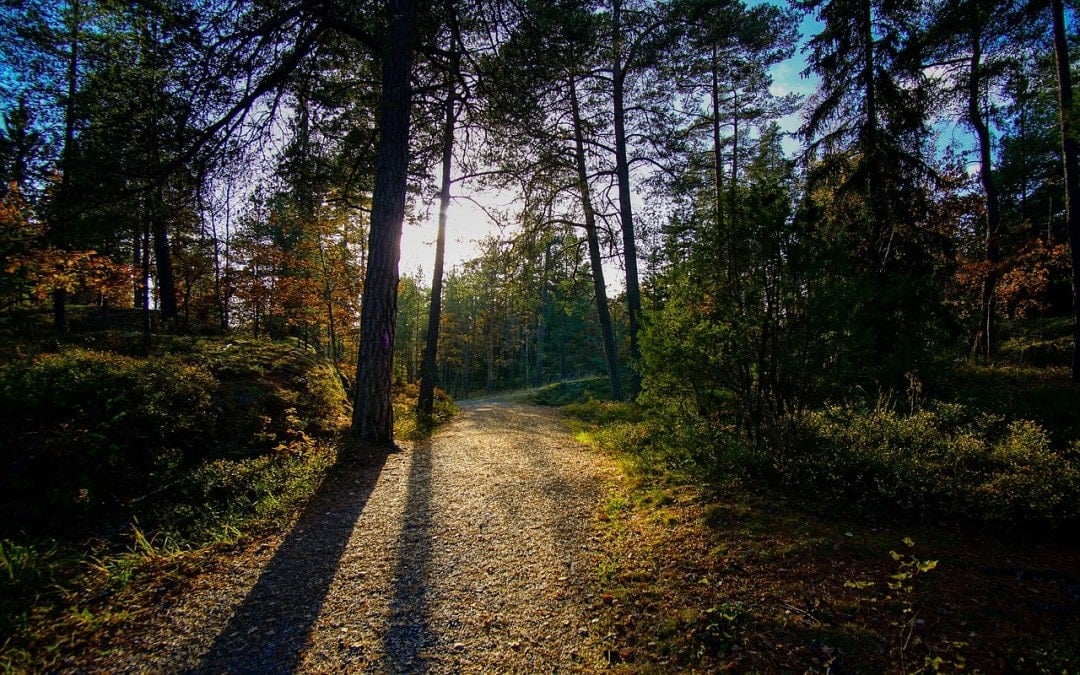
(85, 431)
(272, 393)
(1044, 395)
(1037, 342)
(91, 439)
(179, 449)
(944, 461)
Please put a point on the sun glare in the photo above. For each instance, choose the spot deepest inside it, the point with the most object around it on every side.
(467, 222)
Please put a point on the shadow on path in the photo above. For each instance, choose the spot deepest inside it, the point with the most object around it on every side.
(408, 632)
(269, 630)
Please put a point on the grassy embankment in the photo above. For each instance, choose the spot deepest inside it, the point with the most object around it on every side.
(123, 469)
(930, 531)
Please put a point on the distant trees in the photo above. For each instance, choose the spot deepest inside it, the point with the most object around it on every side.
(520, 314)
(547, 90)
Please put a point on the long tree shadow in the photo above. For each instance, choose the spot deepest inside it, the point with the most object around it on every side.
(268, 631)
(408, 632)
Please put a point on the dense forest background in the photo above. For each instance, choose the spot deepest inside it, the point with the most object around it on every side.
(213, 165)
(199, 168)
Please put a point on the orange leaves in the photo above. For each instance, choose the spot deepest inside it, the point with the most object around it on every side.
(16, 229)
(40, 271)
(1023, 286)
(48, 270)
(1024, 278)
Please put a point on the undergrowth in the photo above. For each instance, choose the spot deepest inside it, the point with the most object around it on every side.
(717, 557)
(112, 461)
(573, 391)
(945, 460)
(411, 426)
(989, 445)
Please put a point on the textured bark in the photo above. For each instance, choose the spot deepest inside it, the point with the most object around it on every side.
(599, 287)
(870, 131)
(373, 413)
(145, 301)
(626, 214)
(1069, 153)
(718, 160)
(429, 368)
(541, 320)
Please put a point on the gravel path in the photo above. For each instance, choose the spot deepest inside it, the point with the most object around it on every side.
(468, 552)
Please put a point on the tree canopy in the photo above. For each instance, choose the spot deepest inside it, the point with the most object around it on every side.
(679, 221)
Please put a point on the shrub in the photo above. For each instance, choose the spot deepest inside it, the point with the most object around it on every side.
(1037, 341)
(86, 430)
(91, 439)
(180, 449)
(944, 461)
(271, 393)
(1044, 395)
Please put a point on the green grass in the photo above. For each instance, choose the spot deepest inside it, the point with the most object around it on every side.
(573, 391)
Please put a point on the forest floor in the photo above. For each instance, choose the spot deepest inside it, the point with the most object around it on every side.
(505, 544)
(471, 551)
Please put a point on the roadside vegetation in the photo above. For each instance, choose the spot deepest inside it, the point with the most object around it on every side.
(928, 529)
(122, 464)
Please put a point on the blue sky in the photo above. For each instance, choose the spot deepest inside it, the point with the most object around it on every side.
(788, 75)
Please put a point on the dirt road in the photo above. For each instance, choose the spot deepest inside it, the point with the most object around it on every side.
(468, 552)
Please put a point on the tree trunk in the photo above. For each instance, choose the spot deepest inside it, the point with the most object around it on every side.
(1069, 153)
(426, 403)
(60, 229)
(136, 263)
(166, 282)
(733, 179)
(489, 381)
(626, 215)
(331, 328)
(595, 260)
(986, 336)
(541, 318)
(718, 161)
(373, 412)
(146, 323)
(870, 134)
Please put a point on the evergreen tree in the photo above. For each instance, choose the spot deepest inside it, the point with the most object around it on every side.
(868, 176)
